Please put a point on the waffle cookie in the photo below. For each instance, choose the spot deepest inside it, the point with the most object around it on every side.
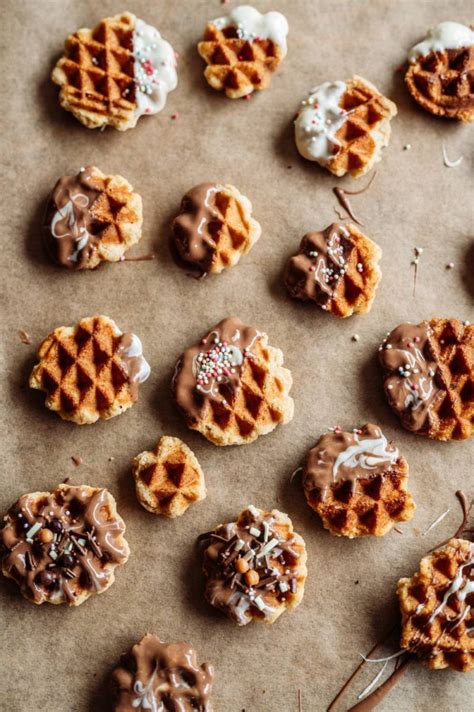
(231, 385)
(428, 373)
(63, 546)
(344, 126)
(243, 49)
(115, 73)
(214, 229)
(255, 568)
(437, 607)
(336, 268)
(168, 479)
(162, 676)
(91, 218)
(90, 371)
(440, 73)
(357, 482)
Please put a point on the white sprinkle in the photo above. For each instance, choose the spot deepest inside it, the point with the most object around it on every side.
(53, 554)
(435, 523)
(239, 544)
(254, 531)
(33, 530)
(253, 510)
(418, 251)
(268, 547)
(355, 337)
(259, 603)
(450, 265)
(407, 147)
(249, 555)
(466, 322)
(283, 586)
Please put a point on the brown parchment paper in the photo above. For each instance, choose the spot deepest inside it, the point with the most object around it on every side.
(58, 659)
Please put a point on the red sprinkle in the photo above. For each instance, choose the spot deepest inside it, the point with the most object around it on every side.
(247, 97)
(175, 116)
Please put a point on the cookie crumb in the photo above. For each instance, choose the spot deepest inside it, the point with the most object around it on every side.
(24, 337)
(77, 460)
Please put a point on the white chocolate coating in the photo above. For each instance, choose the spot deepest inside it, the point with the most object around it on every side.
(446, 35)
(251, 24)
(318, 121)
(154, 69)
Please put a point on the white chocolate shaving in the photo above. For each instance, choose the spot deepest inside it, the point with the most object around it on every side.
(318, 121)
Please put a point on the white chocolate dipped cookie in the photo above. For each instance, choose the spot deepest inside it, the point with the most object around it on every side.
(115, 73)
(243, 49)
(344, 126)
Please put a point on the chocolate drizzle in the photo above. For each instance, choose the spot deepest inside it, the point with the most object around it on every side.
(70, 229)
(313, 273)
(410, 374)
(346, 457)
(194, 230)
(210, 370)
(253, 566)
(157, 676)
(47, 546)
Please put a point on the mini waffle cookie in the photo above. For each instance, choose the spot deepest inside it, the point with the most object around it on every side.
(357, 482)
(255, 567)
(115, 73)
(168, 479)
(336, 268)
(91, 218)
(429, 377)
(231, 385)
(344, 126)
(440, 74)
(437, 607)
(162, 676)
(243, 49)
(214, 229)
(90, 371)
(63, 546)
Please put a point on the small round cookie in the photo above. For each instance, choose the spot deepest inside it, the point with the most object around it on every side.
(90, 371)
(428, 373)
(243, 50)
(63, 546)
(437, 608)
(115, 73)
(168, 479)
(231, 386)
(255, 568)
(91, 218)
(337, 269)
(344, 126)
(357, 482)
(440, 73)
(162, 676)
(214, 229)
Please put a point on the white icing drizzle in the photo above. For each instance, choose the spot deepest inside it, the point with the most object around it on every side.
(460, 587)
(146, 699)
(252, 25)
(318, 121)
(154, 68)
(80, 234)
(368, 453)
(448, 163)
(214, 189)
(446, 35)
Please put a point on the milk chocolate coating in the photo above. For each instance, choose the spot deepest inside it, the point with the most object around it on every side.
(341, 457)
(312, 274)
(191, 397)
(410, 374)
(70, 229)
(85, 540)
(195, 228)
(226, 589)
(162, 676)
